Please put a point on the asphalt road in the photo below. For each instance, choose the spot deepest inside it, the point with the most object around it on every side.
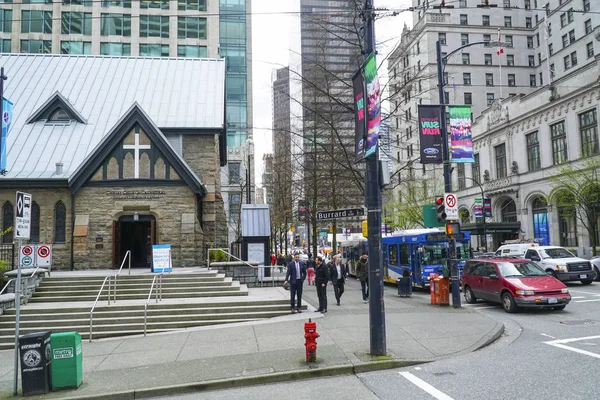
(542, 355)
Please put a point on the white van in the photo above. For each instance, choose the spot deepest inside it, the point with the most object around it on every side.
(514, 250)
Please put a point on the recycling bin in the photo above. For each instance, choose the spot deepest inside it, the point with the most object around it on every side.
(35, 357)
(67, 360)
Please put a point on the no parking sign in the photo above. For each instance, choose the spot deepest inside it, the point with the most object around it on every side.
(43, 255)
(27, 256)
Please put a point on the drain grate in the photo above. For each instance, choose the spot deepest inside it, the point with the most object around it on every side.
(578, 322)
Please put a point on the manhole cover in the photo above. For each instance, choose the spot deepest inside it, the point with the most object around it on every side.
(443, 373)
(578, 322)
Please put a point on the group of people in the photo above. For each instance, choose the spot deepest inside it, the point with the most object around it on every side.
(319, 274)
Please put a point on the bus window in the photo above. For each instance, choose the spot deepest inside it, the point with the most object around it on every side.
(393, 254)
(404, 257)
(462, 250)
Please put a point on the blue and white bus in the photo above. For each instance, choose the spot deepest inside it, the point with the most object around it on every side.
(421, 252)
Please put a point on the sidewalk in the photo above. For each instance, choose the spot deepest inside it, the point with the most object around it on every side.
(271, 351)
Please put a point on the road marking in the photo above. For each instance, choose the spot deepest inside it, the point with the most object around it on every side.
(586, 301)
(574, 349)
(543, 334)
(573, 339)
(581, 291)
(482, 308)
(418, 368)
(577, 297)
(425, 386)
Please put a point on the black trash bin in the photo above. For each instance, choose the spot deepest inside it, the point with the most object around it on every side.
(404, 287)
(35, 357)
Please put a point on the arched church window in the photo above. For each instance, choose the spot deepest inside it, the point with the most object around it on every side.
(8, 218)
(60, 222)
(34, 236)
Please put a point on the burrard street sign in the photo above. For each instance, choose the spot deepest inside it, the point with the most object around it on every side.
(348, 213)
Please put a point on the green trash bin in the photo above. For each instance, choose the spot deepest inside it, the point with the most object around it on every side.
(67, 360)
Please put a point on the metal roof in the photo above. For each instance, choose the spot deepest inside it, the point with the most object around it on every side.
(255, 220)
(173, 92)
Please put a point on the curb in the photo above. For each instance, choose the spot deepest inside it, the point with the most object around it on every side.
(195, 387)
(498, 332)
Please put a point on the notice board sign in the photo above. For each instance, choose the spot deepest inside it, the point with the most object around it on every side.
(161, 258)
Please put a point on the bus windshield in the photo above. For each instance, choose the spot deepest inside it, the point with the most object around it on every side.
(434, 254)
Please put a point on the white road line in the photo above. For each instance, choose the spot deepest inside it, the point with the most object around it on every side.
(586, 301)
(577, 297)
(576, 350)
(581, 291)
(426, 386)
(551, 337)
(573, 339)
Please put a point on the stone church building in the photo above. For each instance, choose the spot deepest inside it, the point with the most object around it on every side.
(119, 153)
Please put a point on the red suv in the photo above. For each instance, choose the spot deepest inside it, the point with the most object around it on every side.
(514, 283)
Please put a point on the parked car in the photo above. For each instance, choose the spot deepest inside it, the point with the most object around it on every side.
(513, 282)
(562, 264)
(514, 250)
(596, 265)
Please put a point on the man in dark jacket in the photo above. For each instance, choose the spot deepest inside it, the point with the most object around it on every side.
(362, 274)
(337, 274)
(321, 278)
(295, 275)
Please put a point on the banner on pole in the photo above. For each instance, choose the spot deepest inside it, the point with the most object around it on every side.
(7, 115)
(373, 105)
(430, 134)
(460, 134)
(360, 122)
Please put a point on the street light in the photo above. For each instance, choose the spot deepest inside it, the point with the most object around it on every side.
(482, 212)
(248, 150)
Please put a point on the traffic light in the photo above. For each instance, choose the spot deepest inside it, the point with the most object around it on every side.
(440, 209)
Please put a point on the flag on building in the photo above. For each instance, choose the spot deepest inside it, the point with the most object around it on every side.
(500, 49)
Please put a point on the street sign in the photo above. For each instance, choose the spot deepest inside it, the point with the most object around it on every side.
(451, 205)
(43, 255)
(23, 217)
(348, 213)
(27, 256)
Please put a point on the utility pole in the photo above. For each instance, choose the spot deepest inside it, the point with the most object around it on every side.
(373, 203)
(2, 79)
(447, 179)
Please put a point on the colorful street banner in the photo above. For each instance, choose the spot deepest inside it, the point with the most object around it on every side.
(7, 115)
(360, 123)
(480, 209)
(430, 133)
(460, 134)
(373, 105)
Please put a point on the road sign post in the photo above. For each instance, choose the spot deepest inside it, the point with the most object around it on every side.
(451, 206)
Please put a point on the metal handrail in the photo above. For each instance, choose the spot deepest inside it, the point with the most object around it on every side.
(224, 250)
(127, 254)
(158, 293)
(22, 277)
(95, 302)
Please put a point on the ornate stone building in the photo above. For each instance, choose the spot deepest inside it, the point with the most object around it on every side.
(119, 154)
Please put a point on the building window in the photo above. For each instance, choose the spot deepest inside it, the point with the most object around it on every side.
(154, 50)
(530, 42)
(5, 46)
(234, 172)
(541, 79)
(533, 152)
(194, 5)
(590, 49)
(466, 58)
(445, 78)
(36, 46)
(154, 26)
(532, 81)
(512, 80)
(487, 59)
(162, 4)
(60, 222)
(489, 79)
(570, 15)
(468, 98)
(115, 49)
(235, 200)
(565, 40)
(531, 61)
(528, 4)
(73, 23)
(550, 49)
(487, 38)
(193, 51)
(485, 20)
(500, 153)
(506, 3)
(509, 39)
(36, 21)
(508, 22)
(191, 28)
(551, 71)
(559, 143)
(8, 219)
(115, 24)
(475, 168)
(563, 20)
(462, 3)
(34, 234)
(116, 3)
(588, 128)
(588, 26)
(464, 39)
(573, 58)
(567, 62)
(528, 22)
(75, 47)
(510, 60)
(537, 39)
(461, 176)
(87, 3)
(572, 37)
(586, 5)
(442, 38)
(466, 78)
(464, 19)
(490, 98)
(6, 21)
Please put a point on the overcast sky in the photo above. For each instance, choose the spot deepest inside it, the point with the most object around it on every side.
(271, 20)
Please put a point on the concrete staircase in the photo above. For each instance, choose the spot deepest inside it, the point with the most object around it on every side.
(63, 304)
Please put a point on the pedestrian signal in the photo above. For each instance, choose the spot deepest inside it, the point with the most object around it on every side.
(365, 228)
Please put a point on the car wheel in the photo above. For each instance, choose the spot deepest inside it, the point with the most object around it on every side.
(559, 308)
(554, 274)
(508, 303)
(587, 281)
(469, 296)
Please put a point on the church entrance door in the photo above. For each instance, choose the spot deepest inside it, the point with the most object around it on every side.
(137, 236)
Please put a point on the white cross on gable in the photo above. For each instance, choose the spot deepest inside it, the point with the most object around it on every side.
(136, 147)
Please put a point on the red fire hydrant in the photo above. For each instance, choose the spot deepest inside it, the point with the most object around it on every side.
(311, 335)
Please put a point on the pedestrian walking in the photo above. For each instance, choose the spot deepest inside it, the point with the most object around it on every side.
(273, 259)
(337, 274)
(362, 274)
(321, 278)
(295, 275)
(310, 271)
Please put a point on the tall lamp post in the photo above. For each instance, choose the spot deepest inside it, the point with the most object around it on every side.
(248, 144)
(482, 212)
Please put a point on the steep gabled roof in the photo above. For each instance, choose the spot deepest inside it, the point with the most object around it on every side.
(53, 103)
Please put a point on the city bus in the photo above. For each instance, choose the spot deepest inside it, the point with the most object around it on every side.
(351, 252)
(420, 252)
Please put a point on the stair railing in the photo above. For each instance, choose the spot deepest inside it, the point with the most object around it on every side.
(95, 302)
(224, 250)
(15, 279)
(158, 295)
(127, 257)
